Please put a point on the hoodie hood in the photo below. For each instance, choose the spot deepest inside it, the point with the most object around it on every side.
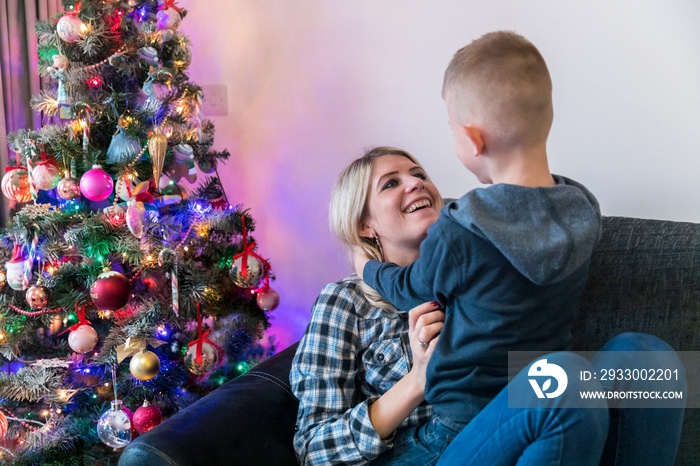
(546, 233)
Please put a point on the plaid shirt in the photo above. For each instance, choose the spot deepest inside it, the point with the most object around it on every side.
(351, 353)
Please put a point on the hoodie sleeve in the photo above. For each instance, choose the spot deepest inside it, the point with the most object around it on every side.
(431, 277)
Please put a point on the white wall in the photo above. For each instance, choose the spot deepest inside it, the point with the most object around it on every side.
(313, 82)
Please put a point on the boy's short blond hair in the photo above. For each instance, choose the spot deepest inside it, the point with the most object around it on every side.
(501, 82)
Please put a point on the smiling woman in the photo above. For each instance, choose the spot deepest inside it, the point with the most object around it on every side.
(359, 371)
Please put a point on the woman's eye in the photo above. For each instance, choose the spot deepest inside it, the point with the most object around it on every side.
(422, 176)
(389, 184)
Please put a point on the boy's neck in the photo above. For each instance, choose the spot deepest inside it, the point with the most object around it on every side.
(522, 167)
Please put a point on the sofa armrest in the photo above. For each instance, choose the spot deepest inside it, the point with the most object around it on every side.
(249, 420)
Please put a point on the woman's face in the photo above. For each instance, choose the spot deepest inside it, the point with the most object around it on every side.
(403, 203)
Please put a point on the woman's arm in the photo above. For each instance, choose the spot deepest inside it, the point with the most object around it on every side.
(334, 424)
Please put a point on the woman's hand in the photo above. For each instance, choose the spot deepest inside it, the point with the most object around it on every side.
(424, 326)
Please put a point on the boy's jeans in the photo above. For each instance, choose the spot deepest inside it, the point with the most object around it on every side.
(499, 435)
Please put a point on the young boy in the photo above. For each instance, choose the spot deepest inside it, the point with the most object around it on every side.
(507, 262)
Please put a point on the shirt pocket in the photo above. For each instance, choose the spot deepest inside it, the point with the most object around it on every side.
(385, 363)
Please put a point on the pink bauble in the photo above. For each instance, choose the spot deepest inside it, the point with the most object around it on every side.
(168, 19)
(68, 189)
(37, 296)
(46, 176)
(15, 185)
(111, 291)
(82, 339)
(70, 28)
(146, 417)
(268, 299)
(96, 184)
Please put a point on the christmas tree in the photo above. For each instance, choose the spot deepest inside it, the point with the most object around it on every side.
(126, 288)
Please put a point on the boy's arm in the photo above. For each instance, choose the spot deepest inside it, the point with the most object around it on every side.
(431, 277)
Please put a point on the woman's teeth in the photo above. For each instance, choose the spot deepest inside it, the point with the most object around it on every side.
(417, 205)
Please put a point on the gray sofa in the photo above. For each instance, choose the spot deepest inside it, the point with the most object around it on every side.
(644, 277)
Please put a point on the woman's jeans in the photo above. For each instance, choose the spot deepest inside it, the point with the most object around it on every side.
(602, 432)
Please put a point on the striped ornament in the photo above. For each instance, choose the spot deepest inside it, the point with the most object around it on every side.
(3, 425)
(15, 185)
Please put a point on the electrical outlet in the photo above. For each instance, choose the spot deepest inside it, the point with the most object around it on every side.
(215, 100)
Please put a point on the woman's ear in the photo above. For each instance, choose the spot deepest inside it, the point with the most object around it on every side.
(367, 231)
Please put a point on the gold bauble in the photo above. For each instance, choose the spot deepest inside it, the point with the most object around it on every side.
(157, 145)
(144, 365)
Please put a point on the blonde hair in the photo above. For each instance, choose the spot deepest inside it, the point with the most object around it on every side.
(501, 80)
(349, 210)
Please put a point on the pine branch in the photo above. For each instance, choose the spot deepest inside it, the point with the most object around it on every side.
(59, 442)
(32, 384)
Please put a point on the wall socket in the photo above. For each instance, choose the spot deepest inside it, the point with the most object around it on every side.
(215, 102)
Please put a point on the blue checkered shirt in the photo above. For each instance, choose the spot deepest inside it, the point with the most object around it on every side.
(351, 353)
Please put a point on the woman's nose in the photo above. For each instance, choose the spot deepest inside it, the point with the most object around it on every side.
(414, 183)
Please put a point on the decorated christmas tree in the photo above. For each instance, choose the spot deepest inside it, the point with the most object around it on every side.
(131, 285)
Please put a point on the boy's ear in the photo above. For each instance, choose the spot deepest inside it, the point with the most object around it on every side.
(475, 137)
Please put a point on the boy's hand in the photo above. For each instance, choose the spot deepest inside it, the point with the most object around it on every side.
(359, 259)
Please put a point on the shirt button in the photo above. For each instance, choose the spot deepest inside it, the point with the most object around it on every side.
(380, 357)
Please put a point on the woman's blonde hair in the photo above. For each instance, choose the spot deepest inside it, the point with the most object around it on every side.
(349, 209)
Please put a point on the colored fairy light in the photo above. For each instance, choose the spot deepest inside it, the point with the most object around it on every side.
(94, 81)
(141, 13)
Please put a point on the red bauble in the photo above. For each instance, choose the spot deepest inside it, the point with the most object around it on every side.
(268, 299)
(130, 415)
(146, 418)
(110, 291)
